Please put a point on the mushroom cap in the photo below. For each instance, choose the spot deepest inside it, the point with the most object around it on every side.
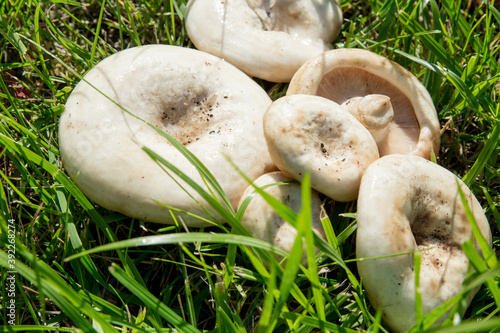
(204, 102)
(305, 132)
(269, 39)
(262, 221)
(407, 203)
(349, 73)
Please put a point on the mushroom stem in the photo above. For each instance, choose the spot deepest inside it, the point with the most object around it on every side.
(374, 112)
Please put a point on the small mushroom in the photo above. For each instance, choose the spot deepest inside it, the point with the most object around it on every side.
(407, 204)
(305, 132)
(374, 111)
(269, 39)
(208, 105)
(262, 221)
(386, 98)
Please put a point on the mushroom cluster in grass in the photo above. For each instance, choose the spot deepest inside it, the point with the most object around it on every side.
(263, 222)
(362, 126)
(385, 97)
(268, 39)
(311, 133)
(408, 204)
(208, 105)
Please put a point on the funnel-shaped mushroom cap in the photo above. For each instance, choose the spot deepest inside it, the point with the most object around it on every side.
(205, 103)
(347, 75)
(269, 39)
(311, 133)
(262, 221)
(407, 204)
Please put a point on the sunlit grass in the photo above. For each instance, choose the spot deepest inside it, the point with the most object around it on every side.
(128, 275)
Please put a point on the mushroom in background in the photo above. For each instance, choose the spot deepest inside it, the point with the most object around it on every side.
(311, 133)
(264, 223)
(407, 204)
(268, 39)
(386, 98)
(207, 104)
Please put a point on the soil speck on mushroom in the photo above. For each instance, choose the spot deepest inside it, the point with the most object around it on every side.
(304, 131)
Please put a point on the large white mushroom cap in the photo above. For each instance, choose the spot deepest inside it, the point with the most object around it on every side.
(406, 204)
(269, 39)
(311, 133)
(205, 103)
(385, 97)
(263, 222)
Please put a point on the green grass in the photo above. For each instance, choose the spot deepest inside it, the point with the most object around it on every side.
(144, 277)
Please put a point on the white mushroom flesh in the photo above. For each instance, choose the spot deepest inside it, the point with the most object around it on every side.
(406, 204)
(311, 133)
(205, 103)
(264, 223)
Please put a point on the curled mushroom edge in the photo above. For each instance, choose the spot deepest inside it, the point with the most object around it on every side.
(407, 204)
(388, 99)
(268, 39)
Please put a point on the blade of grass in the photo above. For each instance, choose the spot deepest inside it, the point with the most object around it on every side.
(307, 231)
(289, 276)
(61, 178)
(182, 238)
(54, 287)
(487, 252)
(487, 151)
(213, 202)
(316, 323)
(96, 33)
(470, 326)
(419, 312)
(152, 302)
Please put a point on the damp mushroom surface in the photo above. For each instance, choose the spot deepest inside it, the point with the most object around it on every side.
(385, 97)
(208, 105)
(408, 204)
(268, 39)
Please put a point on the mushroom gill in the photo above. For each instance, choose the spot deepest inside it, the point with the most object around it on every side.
(345, 84)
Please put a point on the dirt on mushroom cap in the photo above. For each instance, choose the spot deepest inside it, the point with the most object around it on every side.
(312, 133)
(407, 203)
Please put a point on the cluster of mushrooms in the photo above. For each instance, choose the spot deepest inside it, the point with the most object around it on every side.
(363, 126)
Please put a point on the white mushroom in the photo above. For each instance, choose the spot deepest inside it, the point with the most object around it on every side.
(305, 132)
(205, 103)
(269, 39)
(262, 221)
(385, 97)
(407, 204)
